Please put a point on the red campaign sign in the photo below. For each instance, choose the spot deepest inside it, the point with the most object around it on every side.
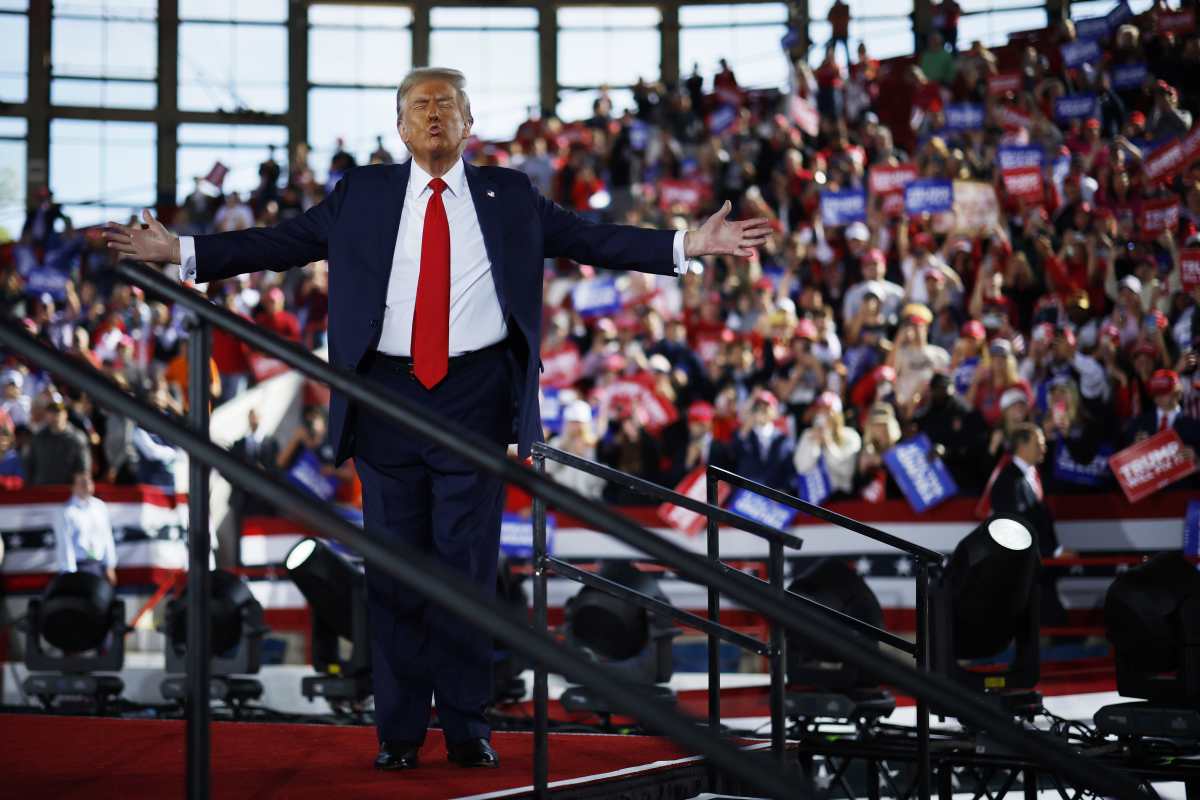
(1011, 118)
(1151, 464)
(1164, 162)
(1176, 21)
(1023, 183)
(1189, 269)
(686, 193)
(708, 347)
(265, 367)
(1161, 214)
(654, 411)
(1004, 82)
(889, 180)
(695, 486)
(561, 366)
(804, 114)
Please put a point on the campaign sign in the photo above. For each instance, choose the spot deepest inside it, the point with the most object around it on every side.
(890, 181)
(804, 114)
(688, 193)
(1078, 53)
(561, 365)
(597, 297)
(929, 196)
(1023, 183)
(516, 535)
(1119, 14)
(1020, 156)
(1189, 268)
(925, 482)
(813, 486)
(1075, 106)
(722, 119)
(1158, 215)
(1003, 83)
(695, 486)
(964, 117)
(1128, 76)
(1176, 22)
(305, 474)
(760, 509)
(1191, 529)
(1144, 468)
(1092, 29)
(47, 280)
(976, 207)
(1013, 120)
(1094, 473)
(842, 208)
(552, 410)
(639, 135)
(653, 409)
(1164, 162)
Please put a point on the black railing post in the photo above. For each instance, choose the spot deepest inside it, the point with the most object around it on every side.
(541, 699)
(198, 634)
(778, 659)
(922, 660)
(714, 616)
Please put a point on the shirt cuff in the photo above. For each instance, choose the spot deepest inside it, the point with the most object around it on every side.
(187, 255)
(678, 255)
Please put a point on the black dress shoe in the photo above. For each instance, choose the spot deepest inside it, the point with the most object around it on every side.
(473, 753)
(397, 755)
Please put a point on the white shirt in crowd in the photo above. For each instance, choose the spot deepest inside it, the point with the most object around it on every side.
(83, 532)
(476, 320)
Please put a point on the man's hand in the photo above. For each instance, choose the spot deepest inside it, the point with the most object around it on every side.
(718, 236)
(151, 242)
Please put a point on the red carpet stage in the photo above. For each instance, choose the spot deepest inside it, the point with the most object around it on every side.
(84, 757)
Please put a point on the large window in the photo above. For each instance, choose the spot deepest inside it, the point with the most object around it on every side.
(233, 56)
(603, 45)
(102, 170)
(497, 49)
(239, 148)
(12, 176)
(14, 56)
(746, 36)
(357, 57)
(104, 53)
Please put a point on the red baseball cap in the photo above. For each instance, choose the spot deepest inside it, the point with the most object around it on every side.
(807, 329)
(1092, 122)
(700, 411)
(1137, 118)
(765, 397)
(973, 329)
(1163, 381)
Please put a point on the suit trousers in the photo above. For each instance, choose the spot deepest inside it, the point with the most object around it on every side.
(428, 498)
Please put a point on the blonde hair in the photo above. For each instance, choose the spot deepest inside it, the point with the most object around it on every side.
(422, 74)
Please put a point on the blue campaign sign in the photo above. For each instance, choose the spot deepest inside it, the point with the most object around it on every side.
(842, 208)
(516, 535)
(1080, 52)
(47, 280)
(925, 482)
(964, 117)
(639, 135)
(1128, 76)
(1191, 529)
(1016, 157)
(790, 39)
(813, 486)
(1094, 473)
(722, 119)
(760, 509)
(1092, 29)
(597, 297)
(552, 410)
(1075, 106)
(305, 474)
(928, 196)
(1119, 14)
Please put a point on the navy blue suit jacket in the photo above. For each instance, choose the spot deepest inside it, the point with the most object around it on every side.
(355, 228)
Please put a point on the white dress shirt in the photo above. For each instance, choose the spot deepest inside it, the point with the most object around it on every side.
(83, 532)
(476, 320)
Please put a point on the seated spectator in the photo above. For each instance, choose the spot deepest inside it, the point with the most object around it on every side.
(83, 534)
(579, 439)
(829, 444)
(59, 451)
(761, 451)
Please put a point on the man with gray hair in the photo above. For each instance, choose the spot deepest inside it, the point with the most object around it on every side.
(435, 293)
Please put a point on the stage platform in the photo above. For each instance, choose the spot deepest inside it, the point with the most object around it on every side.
(97, 759)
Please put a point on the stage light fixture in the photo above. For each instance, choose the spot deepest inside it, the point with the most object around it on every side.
(236, 630)
(986, 599)
(630, 642)
(79, 616)
(336, 591)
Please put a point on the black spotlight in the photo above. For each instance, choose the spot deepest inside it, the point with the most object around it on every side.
(80, 618)
(630, 642)
(987, 599)
(236, 630)
(821, 684)
(1152, 615)
(507, 684)
(336, 591)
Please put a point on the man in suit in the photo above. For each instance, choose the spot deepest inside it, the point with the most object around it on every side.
(261, 450)
(1018, 492)
(435, 292)
(761, 451)
(1167, 390)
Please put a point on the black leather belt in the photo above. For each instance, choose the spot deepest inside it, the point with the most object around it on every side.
(404, 363)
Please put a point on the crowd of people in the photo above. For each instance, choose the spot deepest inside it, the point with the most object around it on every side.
(1070, 307)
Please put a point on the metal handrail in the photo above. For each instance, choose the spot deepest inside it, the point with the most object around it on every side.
(832, 517)
(400, 560)
(842, 644)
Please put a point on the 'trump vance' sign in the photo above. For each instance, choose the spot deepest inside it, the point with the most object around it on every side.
(1151, 464)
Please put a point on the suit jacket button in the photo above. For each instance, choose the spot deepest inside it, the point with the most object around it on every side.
(373, 323)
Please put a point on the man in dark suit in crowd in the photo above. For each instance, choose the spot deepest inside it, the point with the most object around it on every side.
(1167, 391)
(435, 293)
(761, 451)
(261, 450)
(1018, 492)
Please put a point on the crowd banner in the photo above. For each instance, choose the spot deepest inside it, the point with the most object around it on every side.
(1126, 77)
(888, 182)
(976, 209)
(804, 114)
(1164, 162)
(305, 474)
(844, 207)
(922, 478)
(1120, 14)
(1189, 268)
(1079, 52)
(761, 509)
(1159, 215)
(562, 366)
(1092, 29)
(1176, 22)
(688, 193)
(1144, 468)
(1094, 473)
(695, 486)
(929, 196)
(654, 411)
(1003, 83)
(722, 119)
(813, 486)
(963, 117)
(516, 535)
(551, 407)
(597, 297)
(1075, 106)
(1191, 529)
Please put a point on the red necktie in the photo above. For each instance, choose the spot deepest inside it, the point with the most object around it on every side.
(1162, 421)
(431, 316)
(1037, 483)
